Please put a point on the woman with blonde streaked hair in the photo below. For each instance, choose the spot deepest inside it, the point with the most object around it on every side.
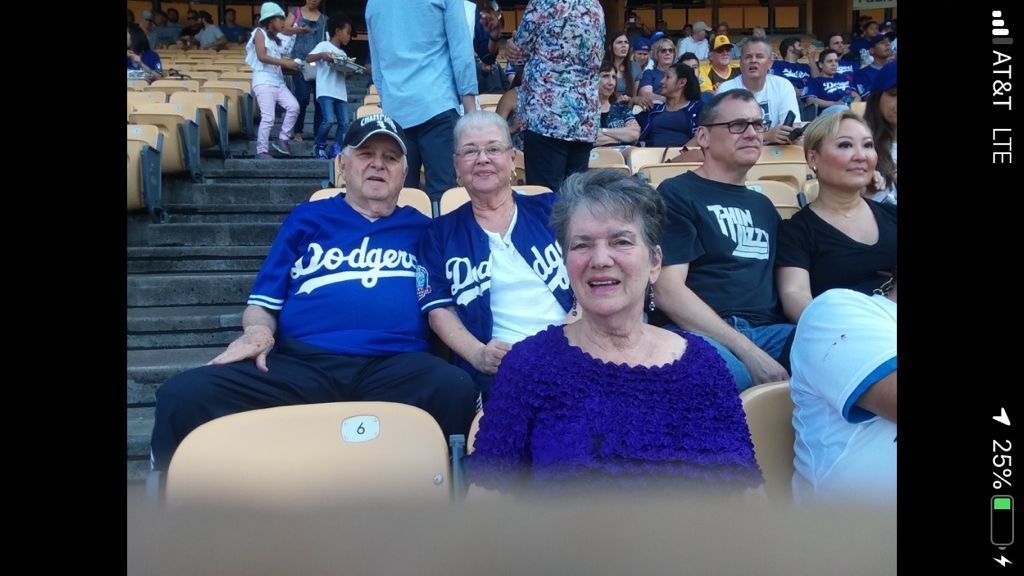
(842, 239)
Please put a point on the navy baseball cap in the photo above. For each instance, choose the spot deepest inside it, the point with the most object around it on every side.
(885, 79)
(641, 45)
(363, 128)
(878, 39)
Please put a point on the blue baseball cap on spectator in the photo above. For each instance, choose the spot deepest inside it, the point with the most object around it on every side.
(641, 45)
(885, 79)
(657, 36)
(878, 39)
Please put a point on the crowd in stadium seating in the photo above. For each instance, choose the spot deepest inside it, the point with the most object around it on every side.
(606, 328)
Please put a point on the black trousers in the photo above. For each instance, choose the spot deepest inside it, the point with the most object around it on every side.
(303, 374)
(550, 160)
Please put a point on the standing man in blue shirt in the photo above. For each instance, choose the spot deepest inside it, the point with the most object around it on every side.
(423, 65)
(333, 314)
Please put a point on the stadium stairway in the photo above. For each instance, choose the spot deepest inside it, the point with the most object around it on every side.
(188, 279)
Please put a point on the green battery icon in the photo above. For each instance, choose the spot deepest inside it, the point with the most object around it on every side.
(1002, 520)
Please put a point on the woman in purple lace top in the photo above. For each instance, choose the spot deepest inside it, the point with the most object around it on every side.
(609, 400)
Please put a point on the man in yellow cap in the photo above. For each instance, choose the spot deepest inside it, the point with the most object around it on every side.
(719, 67)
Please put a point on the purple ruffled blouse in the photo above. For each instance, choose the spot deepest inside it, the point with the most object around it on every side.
(560, 418)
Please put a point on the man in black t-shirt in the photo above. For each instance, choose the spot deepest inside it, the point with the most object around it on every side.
(719, 247)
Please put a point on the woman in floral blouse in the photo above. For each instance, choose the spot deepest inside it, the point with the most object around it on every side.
(562, 44)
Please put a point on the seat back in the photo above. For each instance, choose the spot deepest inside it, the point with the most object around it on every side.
(178, 123)
(371, 100)
(655, 174)
(142, 139)
(136, 99)
(240, 107)
(604, 157)
(769, 410)
(310, 456)
(213, 107)
(782, 195)
(640, 157)
(455, 197)
(367, 110)
(412, 197)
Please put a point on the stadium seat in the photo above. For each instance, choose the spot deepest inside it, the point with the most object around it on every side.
(473, 429)
(240, 105)
(137, 85)
(368, 110)
(372, 89)
(412, 197)
(303, 458)
(810, 193)
(637, 158)
(485, 99)
(782, 195)
(769, 410)
(213, 121)
(455, 197)
(371, 100)
(145, 145)
(858, 108)
(655, 174)
(603, 157)
(783, 163)
(171, 86)
(136, 99)
(179, 124)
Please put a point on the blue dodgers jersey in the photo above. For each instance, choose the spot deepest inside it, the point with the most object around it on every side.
(797, 74)
(457, 256)
(343, 283)
(831, 89)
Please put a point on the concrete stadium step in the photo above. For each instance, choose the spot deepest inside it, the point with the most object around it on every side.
(188, 289)
(232, 234)
(227, 214)
(183, 326)
(157, 259)
(149, 369)
(267, 191)
(140, 430)
(250, 168)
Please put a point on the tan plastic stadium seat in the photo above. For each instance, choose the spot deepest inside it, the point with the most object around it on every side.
(412, 197)
(782, 195)
(367, 110)
(240, 104)
(179, 124)
(171, 86)
(145, 145)
(655, 174)
(302, 458)
(213, 121)
(455, 197)
(769, 410)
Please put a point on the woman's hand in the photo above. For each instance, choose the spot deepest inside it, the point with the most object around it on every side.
(624, 99)
(134, 57)
(289, 65)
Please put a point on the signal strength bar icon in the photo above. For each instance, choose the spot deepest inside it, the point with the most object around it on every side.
(1000, 34)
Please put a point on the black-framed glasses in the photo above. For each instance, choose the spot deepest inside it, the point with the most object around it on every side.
(740, 126)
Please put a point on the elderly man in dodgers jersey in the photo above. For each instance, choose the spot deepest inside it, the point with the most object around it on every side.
(333, 314)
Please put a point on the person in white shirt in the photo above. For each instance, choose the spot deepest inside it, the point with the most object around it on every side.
(331, 92)
(697, 42)
(844, 396)
(774, 94)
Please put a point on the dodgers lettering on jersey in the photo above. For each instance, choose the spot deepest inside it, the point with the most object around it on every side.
(364, 264)
(469, 282)
(737, 225)
(832, 89)
(798, 74)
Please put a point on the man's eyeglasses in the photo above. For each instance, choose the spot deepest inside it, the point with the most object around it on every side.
(490, 151)
(740, 126)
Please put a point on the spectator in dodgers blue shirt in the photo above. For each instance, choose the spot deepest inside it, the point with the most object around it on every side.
(496, 273)
(333, 313)
(798, 74)
(830, 88)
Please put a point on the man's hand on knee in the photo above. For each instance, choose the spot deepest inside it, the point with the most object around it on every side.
(255, 342)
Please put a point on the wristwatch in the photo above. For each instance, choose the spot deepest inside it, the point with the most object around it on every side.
(604, 130)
